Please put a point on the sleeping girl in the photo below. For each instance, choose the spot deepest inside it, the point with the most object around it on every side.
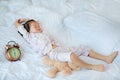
(43, 44)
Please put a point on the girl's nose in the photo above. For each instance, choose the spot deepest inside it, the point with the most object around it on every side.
(40, 30)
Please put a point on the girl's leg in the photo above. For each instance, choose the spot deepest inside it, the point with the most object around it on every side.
(83, 64)
(108, 59)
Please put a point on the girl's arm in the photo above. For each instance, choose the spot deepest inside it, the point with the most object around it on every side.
(20, 21)
(20, 27)
(54, 42)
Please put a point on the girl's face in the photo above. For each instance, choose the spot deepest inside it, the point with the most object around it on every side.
(35, 27)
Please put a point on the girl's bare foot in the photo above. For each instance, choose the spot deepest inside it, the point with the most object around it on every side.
(99, 67)
(110, 58)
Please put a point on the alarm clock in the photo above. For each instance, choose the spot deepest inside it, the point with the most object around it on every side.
(13, 53)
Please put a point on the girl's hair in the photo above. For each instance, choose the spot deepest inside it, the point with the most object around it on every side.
(26, 25)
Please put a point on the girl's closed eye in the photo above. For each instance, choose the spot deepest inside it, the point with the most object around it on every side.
(35, 28)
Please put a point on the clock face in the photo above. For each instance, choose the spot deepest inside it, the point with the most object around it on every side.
(14, 53)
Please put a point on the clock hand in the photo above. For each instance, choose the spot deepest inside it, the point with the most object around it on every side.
(14, 53)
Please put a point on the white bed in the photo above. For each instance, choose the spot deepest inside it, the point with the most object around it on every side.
(72, 22)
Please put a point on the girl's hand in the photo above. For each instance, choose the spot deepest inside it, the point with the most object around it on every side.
(22, 20)
(19, 21)
(54, 46)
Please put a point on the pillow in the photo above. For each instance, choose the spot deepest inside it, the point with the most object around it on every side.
(99, 7)
(95, 31)
(79, 5)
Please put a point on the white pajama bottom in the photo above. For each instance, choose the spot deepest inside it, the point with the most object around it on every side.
(63, 54)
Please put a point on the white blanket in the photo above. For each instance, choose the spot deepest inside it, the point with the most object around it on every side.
(71, 22)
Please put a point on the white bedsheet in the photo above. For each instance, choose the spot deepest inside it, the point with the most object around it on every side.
(72, 22)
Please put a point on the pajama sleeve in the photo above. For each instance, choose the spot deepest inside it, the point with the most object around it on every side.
(22, 31)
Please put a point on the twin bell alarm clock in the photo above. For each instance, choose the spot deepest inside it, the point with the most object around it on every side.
(13, 53)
